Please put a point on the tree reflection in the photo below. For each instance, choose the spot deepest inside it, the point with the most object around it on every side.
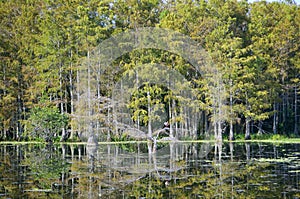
(175, 170)
(32, 171)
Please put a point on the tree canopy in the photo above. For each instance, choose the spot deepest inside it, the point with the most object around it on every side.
(255, 47)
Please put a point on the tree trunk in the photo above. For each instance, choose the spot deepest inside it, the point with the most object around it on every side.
(173, 106)
(89, 98)
(219, 119)
(275, 118)
(170, 118)
(247, 132)
(260, 131)
(4, 94)
(185, 127)
(206, 126)
(61, 96)
(219, 131)
(284, 111)
(231, 136)
(149, 115)
(215, 128)
(20, 102)
(295, 112)
(63, 135)
(71, 97)
(78, 126)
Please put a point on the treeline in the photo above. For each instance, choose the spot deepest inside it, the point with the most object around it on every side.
(255, 46)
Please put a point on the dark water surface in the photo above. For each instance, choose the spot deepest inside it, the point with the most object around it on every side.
(176, 170)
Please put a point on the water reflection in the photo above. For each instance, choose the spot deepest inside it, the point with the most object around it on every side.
(175, 170)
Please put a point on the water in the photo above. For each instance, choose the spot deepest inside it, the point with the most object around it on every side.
(176, 170)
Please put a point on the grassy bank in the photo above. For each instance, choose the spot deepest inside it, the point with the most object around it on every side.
(268, 138)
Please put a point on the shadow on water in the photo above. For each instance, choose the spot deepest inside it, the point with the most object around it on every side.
(175, 170)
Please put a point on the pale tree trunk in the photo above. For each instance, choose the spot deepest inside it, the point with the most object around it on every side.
(218, 113)
(231, 135)
(66, 97)
(108, 119)
(284, 110)
(98, 79)
(89, 85)
(215, 125)
(195, 125)
(151, 141)
(71, 94)
(137, 88)
(275, 118)
(215, 119)
(206, 130)
(176, 123)
(60, 84)
(219, 131)
(247, 132)
(149, 115)
(184, 126)
(20, 104)
(78, 102)
(173, 118)
(62, 96)
(89, 98)
(113, 119)
(260, 131)
(295, 111)
(98, 96)
(219, 123)
(63, 136)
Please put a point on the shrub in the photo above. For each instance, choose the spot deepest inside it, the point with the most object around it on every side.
(45, 123)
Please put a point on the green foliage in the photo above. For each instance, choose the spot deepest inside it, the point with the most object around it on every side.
(45, 123)
(278, 137)
(255, 47)
(239, 136)
(120, 138)
(272, 137)
(139, 102)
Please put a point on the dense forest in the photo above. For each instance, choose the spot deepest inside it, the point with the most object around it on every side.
(255, 46)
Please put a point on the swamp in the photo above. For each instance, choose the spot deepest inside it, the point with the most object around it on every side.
(137, 99)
